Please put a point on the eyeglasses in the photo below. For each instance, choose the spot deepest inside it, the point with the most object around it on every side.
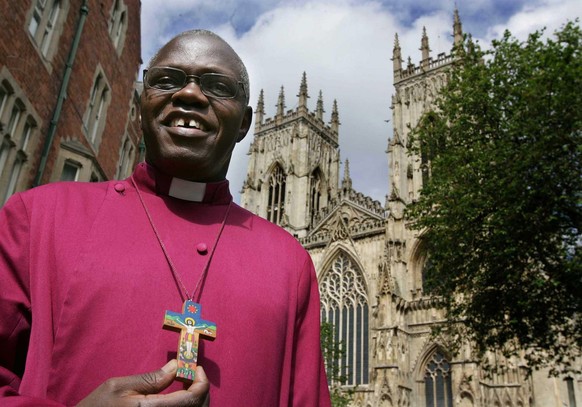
(214, 85)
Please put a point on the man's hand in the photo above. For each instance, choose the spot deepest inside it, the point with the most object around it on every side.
(143, 390)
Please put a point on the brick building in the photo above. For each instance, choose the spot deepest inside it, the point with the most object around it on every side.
(68, 105)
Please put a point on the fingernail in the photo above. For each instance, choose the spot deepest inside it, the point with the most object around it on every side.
(170, 366)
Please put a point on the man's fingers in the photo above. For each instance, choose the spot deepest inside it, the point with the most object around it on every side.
(196, 396)
(200, 387)
(145, 383)
(200, 383)
(143, 390)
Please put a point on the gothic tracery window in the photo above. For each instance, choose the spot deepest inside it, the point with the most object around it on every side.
(344, 304)
(314, 194)
(276, 203)
(437, 382)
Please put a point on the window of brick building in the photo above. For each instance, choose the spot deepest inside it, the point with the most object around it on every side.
(118, 24)
(5, 148)
(126, 158)
(15, 115)
(20, 158)
(18, 124)
(70, 171)
(45, 24)
(94, 119)
(5, 92)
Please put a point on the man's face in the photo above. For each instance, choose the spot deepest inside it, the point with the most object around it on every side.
(190, 135)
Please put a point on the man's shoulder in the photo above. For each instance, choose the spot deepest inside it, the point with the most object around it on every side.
(269, 230)
(68, 192)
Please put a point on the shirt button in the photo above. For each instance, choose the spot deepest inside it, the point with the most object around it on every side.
(201, 248)
(119, 187)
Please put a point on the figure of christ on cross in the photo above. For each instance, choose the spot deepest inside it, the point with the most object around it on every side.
(191, 326)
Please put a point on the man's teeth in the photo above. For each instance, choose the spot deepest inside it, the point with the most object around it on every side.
(182, 123)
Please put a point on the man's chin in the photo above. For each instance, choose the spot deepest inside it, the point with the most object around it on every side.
(184, 166)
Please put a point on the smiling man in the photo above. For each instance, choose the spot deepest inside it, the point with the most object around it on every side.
(90, 272)
(194, 107)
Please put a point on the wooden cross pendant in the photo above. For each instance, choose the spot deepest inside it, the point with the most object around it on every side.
(191, 326)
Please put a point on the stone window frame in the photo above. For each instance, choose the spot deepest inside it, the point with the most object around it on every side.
(95, 117)
(316, 183)
(70, 164)
(345, 304)
(19, 159)
(437, 365)
(420, 263)
(44, 25)
(19, 124)
(6, 91)
(117, 25)
(277, 182)
(73, 153)
(127, 154)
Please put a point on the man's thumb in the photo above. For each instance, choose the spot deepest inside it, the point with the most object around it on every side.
(156, 381)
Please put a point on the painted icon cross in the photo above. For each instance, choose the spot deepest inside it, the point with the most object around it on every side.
(191, 326)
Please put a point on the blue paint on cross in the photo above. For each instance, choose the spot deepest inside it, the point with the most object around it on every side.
(191, 326)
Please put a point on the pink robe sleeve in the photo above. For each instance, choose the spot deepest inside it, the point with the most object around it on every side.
(15, 304)
(309, 385)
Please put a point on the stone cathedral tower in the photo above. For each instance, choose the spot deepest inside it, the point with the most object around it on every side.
(294, 163)
(369, 264)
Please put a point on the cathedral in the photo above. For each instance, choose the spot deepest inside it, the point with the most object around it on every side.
(369, 263)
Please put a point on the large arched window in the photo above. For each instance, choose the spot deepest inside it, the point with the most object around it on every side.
(344, 304)
(276, 204)
(437, 382)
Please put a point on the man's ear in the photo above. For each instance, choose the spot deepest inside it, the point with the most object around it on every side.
(245, 124)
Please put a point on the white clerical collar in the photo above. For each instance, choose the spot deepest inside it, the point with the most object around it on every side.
(187, 190)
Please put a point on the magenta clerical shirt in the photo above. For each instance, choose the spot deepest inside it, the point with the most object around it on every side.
(84, 287)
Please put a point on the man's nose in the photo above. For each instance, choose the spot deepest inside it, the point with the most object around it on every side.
(191, 93)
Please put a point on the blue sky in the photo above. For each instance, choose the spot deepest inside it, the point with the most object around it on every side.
(344, 46)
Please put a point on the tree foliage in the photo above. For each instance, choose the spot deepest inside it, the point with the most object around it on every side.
(332, 353)
(501, 212)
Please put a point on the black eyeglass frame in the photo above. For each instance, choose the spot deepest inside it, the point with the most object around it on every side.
(197, 79)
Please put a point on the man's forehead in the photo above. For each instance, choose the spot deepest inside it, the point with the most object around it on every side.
(196, 49)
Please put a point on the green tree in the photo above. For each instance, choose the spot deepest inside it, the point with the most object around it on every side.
(501, 210)
(332, 353)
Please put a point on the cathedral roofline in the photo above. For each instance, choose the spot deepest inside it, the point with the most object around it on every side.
(293, 116)
(315, 119)
(371, 222)
(427, 63)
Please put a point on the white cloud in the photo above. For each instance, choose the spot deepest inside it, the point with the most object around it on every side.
(345, 51)
(551, 14)
(345, 47)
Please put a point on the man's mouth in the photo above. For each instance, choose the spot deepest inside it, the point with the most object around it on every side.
(186, 123)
